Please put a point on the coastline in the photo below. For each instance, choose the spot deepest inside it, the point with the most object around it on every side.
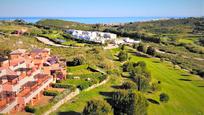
(92, 20)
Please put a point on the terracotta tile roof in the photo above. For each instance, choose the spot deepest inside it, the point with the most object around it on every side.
(39, 50)
(30, 84)
(18, 51)
(9, 77)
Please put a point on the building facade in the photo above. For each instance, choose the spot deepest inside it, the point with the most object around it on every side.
(25, 75)
(94, 36)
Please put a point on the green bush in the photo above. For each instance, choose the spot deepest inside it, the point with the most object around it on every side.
(128, 85)
(151, 51)
(50, 93)
(164, 97)
(127, 102)
(97, 107)
(102, 77)
(59, 85)
(30, 109)
(123, 56)
(85, 85)
(155, 86)
(142, 48)
(78, 61)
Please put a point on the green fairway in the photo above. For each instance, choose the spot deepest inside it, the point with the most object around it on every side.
(186, 96)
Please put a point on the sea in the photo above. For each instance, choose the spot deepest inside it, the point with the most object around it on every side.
(91, 20)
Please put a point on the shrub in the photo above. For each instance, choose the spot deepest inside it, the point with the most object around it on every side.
(128, 66)
(151, 51)
(50, 93)
(142, 48)
(84, 85)
(129, 103)
(30, 109)
(97, 107)
(164, 97)
(102, 77)
(78, 61)
(155, 86)
(123, 56)
(59, 85)
(128, 85)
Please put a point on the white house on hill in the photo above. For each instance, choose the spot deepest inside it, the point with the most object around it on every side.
(94, 36)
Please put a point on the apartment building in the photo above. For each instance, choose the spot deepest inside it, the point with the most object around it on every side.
(94, 36)
(25, 75)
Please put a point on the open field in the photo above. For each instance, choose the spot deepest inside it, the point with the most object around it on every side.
(185, 91)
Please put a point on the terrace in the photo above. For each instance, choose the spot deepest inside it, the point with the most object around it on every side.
(11, 79)
(7, 100)
(27, 88)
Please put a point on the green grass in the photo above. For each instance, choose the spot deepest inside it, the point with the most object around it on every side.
(78, 104)
(74, 82)
(186, 41)
(77, 68)
(186, 98)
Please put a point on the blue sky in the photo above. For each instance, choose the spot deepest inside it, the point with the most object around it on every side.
(101, 8)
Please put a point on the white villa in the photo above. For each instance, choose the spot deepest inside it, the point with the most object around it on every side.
(94, 36)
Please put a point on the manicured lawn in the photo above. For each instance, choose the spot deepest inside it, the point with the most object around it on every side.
(74, 82)
(185, 41)
(79, 102)
(186, 97)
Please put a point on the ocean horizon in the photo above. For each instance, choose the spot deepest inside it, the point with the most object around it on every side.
(90, 20)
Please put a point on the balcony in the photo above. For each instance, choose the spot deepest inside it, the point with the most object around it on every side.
(7, 101)
(32, 89)
(38, 89)
(23, 81)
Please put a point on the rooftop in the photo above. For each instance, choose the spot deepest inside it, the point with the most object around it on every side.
(2, 59)
(18, 51)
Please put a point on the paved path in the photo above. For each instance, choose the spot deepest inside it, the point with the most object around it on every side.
(111, 46)
(51, 43)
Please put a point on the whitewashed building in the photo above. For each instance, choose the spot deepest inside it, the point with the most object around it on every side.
(94, 36)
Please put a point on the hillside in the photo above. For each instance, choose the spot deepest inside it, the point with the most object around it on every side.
(168, 26)
(64, 24)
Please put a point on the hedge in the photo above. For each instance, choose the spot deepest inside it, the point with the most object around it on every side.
(59, 85)
(30, 109)
(85, 85)
(51, 93)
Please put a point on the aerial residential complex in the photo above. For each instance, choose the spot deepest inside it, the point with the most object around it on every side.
(100, 37)
(94, 36)
(25, 75)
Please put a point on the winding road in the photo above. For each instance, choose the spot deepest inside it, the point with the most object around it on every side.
(51, 43)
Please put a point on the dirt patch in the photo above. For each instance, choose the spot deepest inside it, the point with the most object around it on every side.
(56, 89)
(44, 100)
